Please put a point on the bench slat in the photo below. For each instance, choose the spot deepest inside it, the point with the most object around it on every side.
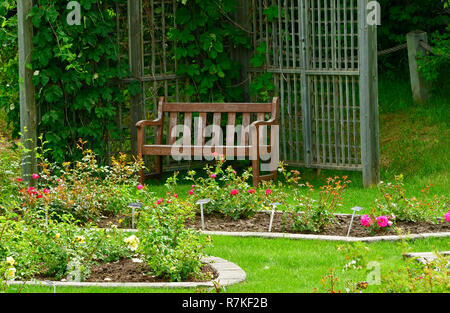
(187, 126)
(173, 123)
(201, 130)
(245, 130)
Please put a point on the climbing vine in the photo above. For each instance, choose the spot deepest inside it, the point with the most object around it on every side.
(74, 69)
(204, 41)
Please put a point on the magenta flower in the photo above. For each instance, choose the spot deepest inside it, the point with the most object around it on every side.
(19, 180)
(30, 190)
(175, 195)
(46, 190)
(234, 192)
(193, 186)
(382, 221)
(39, 195)
(140, 187)
(35, 176)
(366, 220)
(268, 192)
(213, 176)
(447, 216)
(159, 201)
(251, 191)
(191, 192)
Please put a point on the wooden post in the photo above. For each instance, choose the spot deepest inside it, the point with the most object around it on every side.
(242, 55)
(26, 89)
(305, 94)
(136, 56)
(419, 86)
(368, 96)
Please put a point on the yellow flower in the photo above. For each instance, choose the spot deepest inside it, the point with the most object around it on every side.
(120, 221)
(10, 273)
(79, 239)
(10, 261)
(57, 236)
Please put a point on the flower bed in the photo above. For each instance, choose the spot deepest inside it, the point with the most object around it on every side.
(260, 223)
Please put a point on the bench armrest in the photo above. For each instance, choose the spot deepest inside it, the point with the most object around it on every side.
(143, 123)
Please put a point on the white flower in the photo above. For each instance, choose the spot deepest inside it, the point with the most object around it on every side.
(10, 261)
(10, 273)
(132, 242)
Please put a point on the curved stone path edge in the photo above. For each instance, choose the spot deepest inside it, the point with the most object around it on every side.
(228, 274)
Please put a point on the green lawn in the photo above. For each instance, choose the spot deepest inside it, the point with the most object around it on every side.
(283, 265)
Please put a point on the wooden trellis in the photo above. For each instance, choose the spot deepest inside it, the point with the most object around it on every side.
(323, 58)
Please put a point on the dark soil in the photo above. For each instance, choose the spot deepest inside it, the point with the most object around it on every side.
(260, 223)
(125, 270)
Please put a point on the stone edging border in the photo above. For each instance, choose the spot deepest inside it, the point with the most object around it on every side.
(326, 237)
(229, 274)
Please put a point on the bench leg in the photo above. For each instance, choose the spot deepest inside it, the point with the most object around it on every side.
(255, 172)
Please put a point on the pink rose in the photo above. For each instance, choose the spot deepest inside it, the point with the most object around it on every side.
(19, 180)
(159, 201)
(268, 192)
(168, 201)
(191, 192)
(175, 195)
(213, 176)
(46, 190)
(366, 221)
(214, 154)
(447, 216)
(251, 191)
(234, 192)
(140, 187)
(193, 186)
(39, 195)
(382, 221)
(35, 176)
(30, 190)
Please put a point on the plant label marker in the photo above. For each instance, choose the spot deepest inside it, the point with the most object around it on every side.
(274, 206)
(202, 202)
(354, 209)
(133, 206)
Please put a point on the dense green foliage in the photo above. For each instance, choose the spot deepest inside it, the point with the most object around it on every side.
(9, 70)
(73, 74)
(399, 17)
(203, 50)
(77, 65)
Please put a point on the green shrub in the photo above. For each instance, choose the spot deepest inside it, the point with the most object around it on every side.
(395, 202)
(166, 245)
(312, 215)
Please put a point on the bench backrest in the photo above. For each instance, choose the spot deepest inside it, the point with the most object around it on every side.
(219, 114)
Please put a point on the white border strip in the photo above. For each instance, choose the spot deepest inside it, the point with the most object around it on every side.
(326, 237)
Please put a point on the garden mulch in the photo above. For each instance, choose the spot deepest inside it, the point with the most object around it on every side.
(260, 223)
(127, 271)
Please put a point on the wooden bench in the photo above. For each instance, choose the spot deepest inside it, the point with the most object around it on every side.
(194, 146)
